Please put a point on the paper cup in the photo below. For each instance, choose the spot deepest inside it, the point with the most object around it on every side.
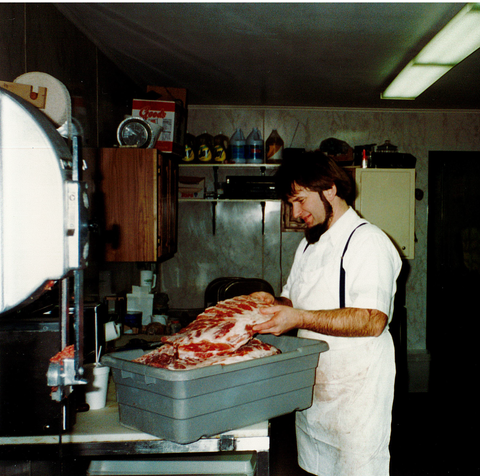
(97, 386)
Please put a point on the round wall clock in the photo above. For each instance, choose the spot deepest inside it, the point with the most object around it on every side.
(135, 131)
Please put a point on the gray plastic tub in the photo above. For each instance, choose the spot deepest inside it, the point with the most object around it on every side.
(185, 405)
(240, 464)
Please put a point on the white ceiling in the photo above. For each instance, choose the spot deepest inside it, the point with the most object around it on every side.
(285, 54)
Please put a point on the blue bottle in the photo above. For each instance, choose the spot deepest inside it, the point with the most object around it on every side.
(237, 147)
(254, 147)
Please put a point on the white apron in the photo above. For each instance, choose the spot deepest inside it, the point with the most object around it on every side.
(346, 431)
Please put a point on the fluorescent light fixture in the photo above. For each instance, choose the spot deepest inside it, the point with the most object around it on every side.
(413, 80)
(457, 40)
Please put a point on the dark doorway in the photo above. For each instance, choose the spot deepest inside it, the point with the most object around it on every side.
(453, 283)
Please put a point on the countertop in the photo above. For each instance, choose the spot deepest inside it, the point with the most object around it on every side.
(103, 426)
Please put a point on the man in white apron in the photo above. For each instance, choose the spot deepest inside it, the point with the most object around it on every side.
(341, 290)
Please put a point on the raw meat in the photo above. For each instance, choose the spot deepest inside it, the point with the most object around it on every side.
(165, 356)
(67, 353)
(221, 328)
(222, 334)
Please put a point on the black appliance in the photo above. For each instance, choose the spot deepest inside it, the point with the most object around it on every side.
(250, 187)
(26, 346)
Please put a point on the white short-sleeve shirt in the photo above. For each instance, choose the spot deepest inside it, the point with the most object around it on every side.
(371, 263)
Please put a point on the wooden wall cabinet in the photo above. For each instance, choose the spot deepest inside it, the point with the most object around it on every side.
(140, 196)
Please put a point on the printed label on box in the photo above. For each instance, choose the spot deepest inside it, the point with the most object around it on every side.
(164, 113)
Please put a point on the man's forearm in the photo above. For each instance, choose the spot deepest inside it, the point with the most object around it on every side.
(347, 322)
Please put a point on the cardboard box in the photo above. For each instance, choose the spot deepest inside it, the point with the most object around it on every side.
(191, 187)
(168, 114)
(170, 94)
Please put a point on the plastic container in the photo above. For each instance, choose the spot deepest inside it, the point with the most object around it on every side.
(254, 147)
(240, 464)
(97, 386)
(237, 147)
(220, 148)
(365, 156)
(274, 146)
(387, 148)
(205, 148)
(189, 156)
(183, 406)
(132, 322)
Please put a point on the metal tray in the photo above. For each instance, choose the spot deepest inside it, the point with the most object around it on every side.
(183, 406)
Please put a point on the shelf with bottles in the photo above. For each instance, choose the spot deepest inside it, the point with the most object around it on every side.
(205, 150)
(226, 164)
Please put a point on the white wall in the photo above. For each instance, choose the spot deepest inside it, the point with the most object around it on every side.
(414, 131)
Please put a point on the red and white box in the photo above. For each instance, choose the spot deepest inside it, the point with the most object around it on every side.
(170, 116)
(191, 187)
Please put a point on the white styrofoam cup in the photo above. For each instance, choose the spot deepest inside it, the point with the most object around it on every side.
(97, 386)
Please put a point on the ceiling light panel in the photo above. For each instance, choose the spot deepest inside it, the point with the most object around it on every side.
(413, 80)
(457, 40)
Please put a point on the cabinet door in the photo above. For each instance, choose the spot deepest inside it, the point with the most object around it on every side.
(129, 189)
(167, 206)
(386, 197)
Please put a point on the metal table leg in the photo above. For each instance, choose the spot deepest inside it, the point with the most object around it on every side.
(263, 463)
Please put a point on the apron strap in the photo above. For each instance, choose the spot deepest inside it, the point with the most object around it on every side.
(342, 270)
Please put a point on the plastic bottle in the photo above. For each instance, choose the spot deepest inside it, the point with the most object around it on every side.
(220, 148)
(237, 147)
(189, 148)
(364, 159)
(205, 147)
(274, 146)
(254, 147)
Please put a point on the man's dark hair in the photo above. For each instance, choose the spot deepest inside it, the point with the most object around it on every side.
(315, 171)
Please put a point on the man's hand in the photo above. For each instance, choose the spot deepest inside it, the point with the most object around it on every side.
(283, 319)
(280, 321)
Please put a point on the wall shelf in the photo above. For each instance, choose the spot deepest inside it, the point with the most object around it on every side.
(214, 164)
(204, 200)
